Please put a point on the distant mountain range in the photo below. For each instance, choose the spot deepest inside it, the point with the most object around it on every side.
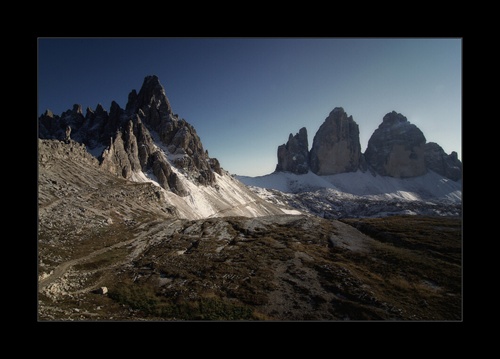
(137, 222)
(399, 173)
(148, 142)
(397, 149)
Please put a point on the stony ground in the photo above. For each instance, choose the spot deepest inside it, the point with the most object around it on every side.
(97, 230)
(270, 268)
(328, 204)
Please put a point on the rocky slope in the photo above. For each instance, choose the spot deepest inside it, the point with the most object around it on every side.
(126, 141)
(113, 249)
(266, 268)
(137, 222)
(147, 142)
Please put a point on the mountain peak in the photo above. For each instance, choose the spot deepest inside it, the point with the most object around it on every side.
(396, 148)
(336, 147)
(152, 79)
(393, 118)
(337, 110)
(152, 83)
(77, 109)
(151, 95)
(128, 141)
(294, 155)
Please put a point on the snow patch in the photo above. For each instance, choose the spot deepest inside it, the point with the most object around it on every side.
(363, 184)
(144, 177)
(227, 197)
(291, 211)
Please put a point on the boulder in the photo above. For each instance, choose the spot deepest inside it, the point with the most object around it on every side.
(101, 290)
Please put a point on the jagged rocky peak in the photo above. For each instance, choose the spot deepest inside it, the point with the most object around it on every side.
(294, 155)
(151, 99)
(54, 127)
(438, 161)
(77, 109)
(47, 125)
(91, 114)
(396, 148)
(336, 147)
(177, 135)
(121, 157)
(74, 118)
(127, 139)
(131, 106)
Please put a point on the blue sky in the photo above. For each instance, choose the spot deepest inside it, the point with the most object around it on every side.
(244, 96)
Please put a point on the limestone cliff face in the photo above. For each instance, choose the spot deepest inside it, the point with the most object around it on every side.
(336, 148)
(438, 161)
(177, 135)
(294, 155)
(128, 136)
(396, 148)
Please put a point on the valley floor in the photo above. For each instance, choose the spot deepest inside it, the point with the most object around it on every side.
(291, 268)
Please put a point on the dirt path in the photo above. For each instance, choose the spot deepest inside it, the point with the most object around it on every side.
(141, 244)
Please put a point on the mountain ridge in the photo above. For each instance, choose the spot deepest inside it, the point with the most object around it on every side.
(110, 249)
(147, 142)
(397, 148)
(137, 222)
(127, 135)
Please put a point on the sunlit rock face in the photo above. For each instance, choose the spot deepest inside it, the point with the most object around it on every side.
(336, 148)
(124, 140)
(179, 137)
(397, 148)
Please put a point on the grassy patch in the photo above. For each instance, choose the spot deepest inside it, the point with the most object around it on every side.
(231, 269)
(417, 261)
(144, 297)
(438, 236)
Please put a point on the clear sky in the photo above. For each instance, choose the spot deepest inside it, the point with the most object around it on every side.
(244, 96)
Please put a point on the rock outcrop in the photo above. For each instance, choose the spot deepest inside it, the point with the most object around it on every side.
(294, 155)
(122, 155)
(336, 148)
(438, 161)
(396, 148)
(178, 136)
(124, 138)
